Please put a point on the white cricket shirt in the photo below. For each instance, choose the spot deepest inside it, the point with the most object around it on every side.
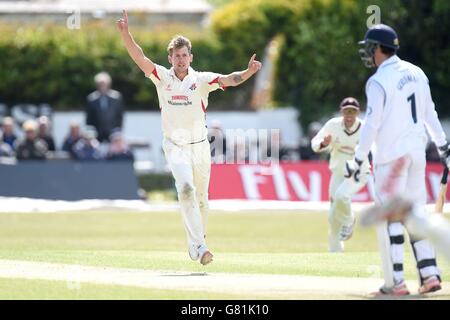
(342, 146)
(183, 103)
(399, 108)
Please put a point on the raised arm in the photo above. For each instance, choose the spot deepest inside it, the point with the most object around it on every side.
(134, 50)
(236, 78)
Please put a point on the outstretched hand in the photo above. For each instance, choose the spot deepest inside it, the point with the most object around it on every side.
(326, 141)
(254, 65)
(122, 24)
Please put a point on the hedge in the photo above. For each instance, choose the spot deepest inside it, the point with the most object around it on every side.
(318, 62)
(157, 181)
(54, 65)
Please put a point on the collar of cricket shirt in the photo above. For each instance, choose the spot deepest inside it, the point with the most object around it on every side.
(190, 73)
(354, 127)
(391, 60)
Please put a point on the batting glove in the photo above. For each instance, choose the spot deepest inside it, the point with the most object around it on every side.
(444, 153)
(353, 169)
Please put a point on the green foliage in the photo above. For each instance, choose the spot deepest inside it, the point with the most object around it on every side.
(155, 181)
(322, 49)
(243, 30)
(318, 62)
(55, 65)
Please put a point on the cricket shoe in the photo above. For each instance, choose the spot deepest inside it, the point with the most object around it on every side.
(394, 209)
(399, 289)
(346, 232)
(193, 252)
(431, 284)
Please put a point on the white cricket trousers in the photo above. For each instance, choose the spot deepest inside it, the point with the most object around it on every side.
(406, 177)
(341, 191)
(191, 167)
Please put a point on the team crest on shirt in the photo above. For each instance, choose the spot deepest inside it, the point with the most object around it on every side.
(193, 87)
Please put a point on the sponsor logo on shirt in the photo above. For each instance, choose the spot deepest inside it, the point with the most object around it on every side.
(180, 100)
(185, 98)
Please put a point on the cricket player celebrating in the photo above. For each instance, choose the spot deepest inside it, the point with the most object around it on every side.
(339, 136)
(399, 108)
(183, 99)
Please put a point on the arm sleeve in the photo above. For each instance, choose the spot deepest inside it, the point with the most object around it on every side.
(374, 115)
(210, 81)
(432, 122)
(159, 75)
(318, 138)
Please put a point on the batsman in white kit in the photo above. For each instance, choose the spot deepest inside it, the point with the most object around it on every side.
(183, 100)
(400, 110)
(339, 136)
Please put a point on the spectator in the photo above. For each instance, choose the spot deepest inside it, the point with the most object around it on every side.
(44, 132)
(8, 131)
(5, 149)
(31, 147)
(104, 107)
(72, 138)
(118, 148)
(88, 147)
(218, 142)
(305, 150)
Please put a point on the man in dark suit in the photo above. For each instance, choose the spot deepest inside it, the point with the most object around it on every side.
(104, 107)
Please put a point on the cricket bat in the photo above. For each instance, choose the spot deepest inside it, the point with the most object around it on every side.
(442, 192)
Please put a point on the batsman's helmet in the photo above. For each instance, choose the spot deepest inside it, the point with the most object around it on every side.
(377, 35)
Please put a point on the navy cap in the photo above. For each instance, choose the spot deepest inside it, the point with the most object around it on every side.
(381, 34)
(349, 102)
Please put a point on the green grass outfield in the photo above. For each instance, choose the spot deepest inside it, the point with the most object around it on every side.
(246, 242)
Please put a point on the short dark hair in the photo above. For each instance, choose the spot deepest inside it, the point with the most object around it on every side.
(387, 51)
(179, 42)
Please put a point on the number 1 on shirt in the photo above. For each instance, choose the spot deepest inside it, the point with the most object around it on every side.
(412, 99)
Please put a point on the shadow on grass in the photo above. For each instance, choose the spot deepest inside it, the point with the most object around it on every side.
(193, 274)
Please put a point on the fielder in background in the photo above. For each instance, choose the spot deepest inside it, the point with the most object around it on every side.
(399, 108)
(183, 99)
(339, 136)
